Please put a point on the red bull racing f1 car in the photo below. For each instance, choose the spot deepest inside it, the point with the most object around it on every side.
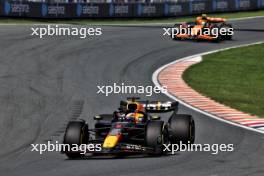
(132, 129)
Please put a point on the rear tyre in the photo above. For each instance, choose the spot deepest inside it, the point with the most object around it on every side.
(228, 27)
(76, 134)
(156, 136)
(181, 128)
(218, 37)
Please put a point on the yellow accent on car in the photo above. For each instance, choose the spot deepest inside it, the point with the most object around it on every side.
(110, 141)
(138, 116)
(158, 105)
(97, 117)
(155, 116)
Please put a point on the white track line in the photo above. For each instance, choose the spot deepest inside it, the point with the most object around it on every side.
(157, 83)
(245, 18)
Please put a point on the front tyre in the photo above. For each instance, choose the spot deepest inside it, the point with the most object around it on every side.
(156, 136)
(173, 34)
(181, 128)
(75, 135)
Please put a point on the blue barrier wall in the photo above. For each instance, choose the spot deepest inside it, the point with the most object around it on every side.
(81, 10)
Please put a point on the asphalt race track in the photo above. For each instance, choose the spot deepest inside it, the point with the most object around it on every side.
(44, 83)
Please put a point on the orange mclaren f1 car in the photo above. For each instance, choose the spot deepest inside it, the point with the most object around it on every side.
(204, 28)
(132, 129)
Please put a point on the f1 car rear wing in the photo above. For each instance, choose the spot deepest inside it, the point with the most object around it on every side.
(158, 106)
(151, 106)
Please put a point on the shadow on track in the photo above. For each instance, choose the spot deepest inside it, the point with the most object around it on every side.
(114, 157)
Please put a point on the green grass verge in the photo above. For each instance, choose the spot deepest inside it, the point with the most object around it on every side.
(233, 77)
(127, 21)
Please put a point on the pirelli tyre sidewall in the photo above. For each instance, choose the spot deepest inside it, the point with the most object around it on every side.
(76, 133)
(156, 135)
(181, 128)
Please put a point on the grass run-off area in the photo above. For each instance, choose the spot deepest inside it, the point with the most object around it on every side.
(234, 77)
(128, 21)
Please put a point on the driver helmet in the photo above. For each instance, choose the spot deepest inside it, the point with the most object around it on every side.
(135, 117)
(130, 117)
